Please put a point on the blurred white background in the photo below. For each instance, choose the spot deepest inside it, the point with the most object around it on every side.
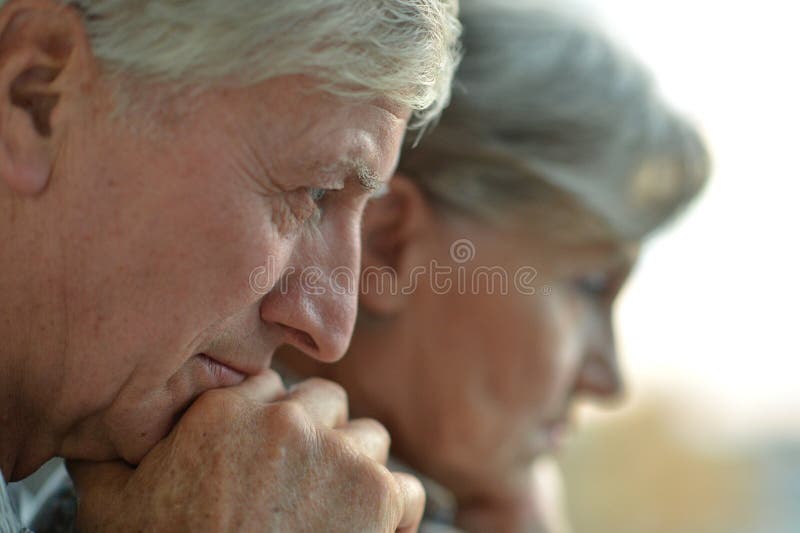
(711, 316)
(708, 440)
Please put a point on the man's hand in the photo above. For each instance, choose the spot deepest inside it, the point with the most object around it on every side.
(256, 458)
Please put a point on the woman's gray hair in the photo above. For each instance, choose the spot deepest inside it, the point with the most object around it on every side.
(545, 104)
(402, 50)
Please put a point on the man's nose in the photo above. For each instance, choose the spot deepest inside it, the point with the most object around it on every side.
(316, 301)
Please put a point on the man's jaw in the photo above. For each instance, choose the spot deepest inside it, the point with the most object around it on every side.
(204, 371)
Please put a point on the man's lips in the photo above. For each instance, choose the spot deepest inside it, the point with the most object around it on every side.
(222, 374)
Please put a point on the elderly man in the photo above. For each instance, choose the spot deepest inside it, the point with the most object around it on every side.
(153, 155)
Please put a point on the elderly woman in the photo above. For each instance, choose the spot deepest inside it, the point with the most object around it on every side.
(153, 154)
(492, 263)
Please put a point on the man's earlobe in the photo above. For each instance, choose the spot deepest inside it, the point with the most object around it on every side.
(41, 43)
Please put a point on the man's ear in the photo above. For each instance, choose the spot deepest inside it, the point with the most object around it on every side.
(45, 60)
(394, 233)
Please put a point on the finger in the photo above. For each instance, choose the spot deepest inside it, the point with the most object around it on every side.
(324, 401)
(413, 500)
(367, 436)
(264, 388)
(97, 482)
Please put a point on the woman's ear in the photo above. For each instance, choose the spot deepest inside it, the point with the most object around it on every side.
(394, 233)
(45, 57)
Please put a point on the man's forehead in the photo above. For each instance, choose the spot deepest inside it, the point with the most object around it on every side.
(358, 141)
(401, 112)
(364, 140)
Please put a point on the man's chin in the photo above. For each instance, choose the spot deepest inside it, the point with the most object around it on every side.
(94, 443)
(134, 425)
(135, 434)
(134, 444)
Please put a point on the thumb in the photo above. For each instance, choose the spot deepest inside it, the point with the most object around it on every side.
(263, 388)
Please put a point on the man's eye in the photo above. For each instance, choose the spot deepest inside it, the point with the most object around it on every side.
(317, 194)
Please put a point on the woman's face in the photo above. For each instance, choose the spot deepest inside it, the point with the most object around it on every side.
(474, 379)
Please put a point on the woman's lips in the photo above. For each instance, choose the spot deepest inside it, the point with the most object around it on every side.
(221, 374)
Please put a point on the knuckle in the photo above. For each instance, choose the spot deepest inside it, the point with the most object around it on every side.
(333, 391)
(273, 379)
(286, 416)
(361, 479)
(215, 406)
(386, 493)
(379, 489)
(373, 438)
(376, 429)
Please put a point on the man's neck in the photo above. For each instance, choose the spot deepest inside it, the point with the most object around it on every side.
(25, 442)
(10, 423)
(24, 318)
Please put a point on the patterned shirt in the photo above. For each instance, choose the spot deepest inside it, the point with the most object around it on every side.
(44, 502)
(9, 521)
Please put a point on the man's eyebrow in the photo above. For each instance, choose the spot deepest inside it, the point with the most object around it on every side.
(357, 169)
(365, 175)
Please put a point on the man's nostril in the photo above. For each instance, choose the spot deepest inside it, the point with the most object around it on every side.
(300, 337)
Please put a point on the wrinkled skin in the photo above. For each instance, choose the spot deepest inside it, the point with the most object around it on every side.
(474, 385)
(312, 477)
(128, 249)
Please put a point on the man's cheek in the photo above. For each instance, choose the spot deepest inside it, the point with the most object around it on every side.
(138, 424)
(265, 270)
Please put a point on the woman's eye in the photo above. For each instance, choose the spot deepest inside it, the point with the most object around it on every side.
(596, 284)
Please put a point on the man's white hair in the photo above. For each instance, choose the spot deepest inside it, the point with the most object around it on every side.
(402, 50)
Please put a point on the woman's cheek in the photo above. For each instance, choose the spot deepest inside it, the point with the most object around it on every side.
(544, 368)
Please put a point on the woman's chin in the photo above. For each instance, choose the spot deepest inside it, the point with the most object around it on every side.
(556, 437)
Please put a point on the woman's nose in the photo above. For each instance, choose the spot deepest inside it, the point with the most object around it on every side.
(600, 375)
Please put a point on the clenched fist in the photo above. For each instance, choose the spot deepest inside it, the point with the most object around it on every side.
(256, 458)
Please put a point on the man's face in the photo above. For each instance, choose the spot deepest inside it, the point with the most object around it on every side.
(161, 235)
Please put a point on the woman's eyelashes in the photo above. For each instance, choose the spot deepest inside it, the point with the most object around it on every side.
(596, 284)
(602, 285)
